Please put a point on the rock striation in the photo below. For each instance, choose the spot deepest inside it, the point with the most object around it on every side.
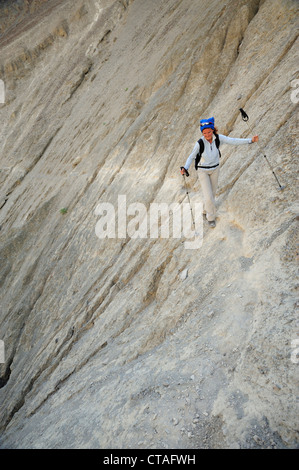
(132, 342)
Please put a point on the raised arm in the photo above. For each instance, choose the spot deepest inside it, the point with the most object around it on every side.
(234, 141)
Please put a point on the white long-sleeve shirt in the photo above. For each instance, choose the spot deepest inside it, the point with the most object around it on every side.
(210, 155)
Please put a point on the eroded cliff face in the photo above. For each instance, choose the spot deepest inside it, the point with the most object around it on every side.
(140, 342)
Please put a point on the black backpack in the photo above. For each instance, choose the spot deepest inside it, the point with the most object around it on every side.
(202, 147)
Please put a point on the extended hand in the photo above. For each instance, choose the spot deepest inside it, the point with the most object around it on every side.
(255, 138)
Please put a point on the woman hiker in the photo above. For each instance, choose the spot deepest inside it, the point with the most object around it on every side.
(206, 154)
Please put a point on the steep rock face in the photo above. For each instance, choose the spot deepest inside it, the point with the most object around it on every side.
(107, 344)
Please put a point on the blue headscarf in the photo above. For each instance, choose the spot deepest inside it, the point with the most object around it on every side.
(207, 124)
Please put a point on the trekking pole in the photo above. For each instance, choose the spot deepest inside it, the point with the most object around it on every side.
(185, 184)
(245, 118)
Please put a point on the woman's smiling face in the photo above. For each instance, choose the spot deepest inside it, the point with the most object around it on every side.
(208, 134)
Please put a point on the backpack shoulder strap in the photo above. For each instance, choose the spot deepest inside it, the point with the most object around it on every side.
(201, 145)
(217, 142)
(198, 156)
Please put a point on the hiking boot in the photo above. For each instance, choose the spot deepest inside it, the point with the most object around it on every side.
(212, 223)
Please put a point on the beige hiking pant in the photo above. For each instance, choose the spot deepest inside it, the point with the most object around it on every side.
(209, 182)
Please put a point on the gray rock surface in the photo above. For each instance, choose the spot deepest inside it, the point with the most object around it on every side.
(107, 343)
